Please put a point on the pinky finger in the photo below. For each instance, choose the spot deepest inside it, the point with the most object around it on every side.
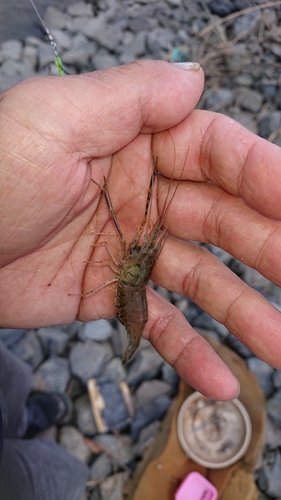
(190, 354)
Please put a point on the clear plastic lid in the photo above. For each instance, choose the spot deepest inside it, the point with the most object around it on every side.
(214, 434)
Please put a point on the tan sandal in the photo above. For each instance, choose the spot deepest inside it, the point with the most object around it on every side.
(165, 464)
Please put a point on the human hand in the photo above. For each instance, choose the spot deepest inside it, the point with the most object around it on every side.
(57, 133)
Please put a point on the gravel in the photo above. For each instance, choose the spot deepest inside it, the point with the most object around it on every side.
(242, 81)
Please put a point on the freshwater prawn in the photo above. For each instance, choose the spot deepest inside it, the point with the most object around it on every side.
(136, 264)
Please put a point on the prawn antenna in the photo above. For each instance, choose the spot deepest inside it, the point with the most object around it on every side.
(58, 61)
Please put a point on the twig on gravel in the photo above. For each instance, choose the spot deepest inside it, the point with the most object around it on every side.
(232, 16)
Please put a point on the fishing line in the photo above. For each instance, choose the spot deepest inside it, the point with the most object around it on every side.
(58, 61)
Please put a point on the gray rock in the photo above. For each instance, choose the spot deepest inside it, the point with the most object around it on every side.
(72, 328)
(272, 435)
(53, 340)
(174, 3)
(276, 49)
(101, 467)
(261, 483)
(146, 437)
(99, 331)
(103, 60)
(177, 297)
(224, 256)
(80, 52)
(218, 328)
(12, 49)
(118, 447)
(138, 45)
(218, 99)
(211, 334)
(94, 26)
(126, 58)
(222, 8)
(182, 304)
(274, 407)
(235, 62)
(242, 4)
(87, 360)
(30, 56)
(145, 366)
(270, 91)
(77, 24)
(109, 38)
(150, 390)
(148, 413)
(203, 320)
(10, 336)
(80, 9)
(12, 68)
(277, 379)
(115, 370)
(73, 441)
(163, 292)
(246, 23)
(114, 413)
(75, 388)
(112, 487)
(143, 24)
(272, 467)
(84, 416)
(169, 375)
(62, 39)
(159, 39)
(33, 41)
(238, 347)
(248, 99)
(244, 80)
(137, 11)
(45, 54)
(119, 340)
(17, 70)
(52, 375)
(255, 279)
(263, 373)
(55, 19)
(95, 494)
(28, 349)
(127, 39)
(108, 348)
(269, 123)
(6, 81)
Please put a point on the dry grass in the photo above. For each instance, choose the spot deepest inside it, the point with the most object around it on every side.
(224, 55)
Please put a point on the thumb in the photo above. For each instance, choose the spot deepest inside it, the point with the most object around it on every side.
(105, 110)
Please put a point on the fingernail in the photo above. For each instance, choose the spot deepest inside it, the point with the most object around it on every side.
(188, 66)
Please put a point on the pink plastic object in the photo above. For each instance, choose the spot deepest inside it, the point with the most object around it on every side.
(196, 487)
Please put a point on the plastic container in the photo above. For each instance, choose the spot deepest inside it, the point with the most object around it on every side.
(214, 434)
(196, 487)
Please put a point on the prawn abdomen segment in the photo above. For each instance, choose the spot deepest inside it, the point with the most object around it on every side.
(132, 312)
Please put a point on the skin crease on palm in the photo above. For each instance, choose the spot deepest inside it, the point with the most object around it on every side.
(58, 132)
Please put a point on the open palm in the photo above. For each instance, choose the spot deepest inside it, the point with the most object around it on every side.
(58, 133)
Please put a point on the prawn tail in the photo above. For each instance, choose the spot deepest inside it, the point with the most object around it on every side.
(131, 349)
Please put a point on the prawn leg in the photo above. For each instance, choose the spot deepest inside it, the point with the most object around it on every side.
(108, 282)
(147, 204)
(104, 189)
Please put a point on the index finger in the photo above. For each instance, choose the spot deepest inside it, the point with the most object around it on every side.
(222, 151)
